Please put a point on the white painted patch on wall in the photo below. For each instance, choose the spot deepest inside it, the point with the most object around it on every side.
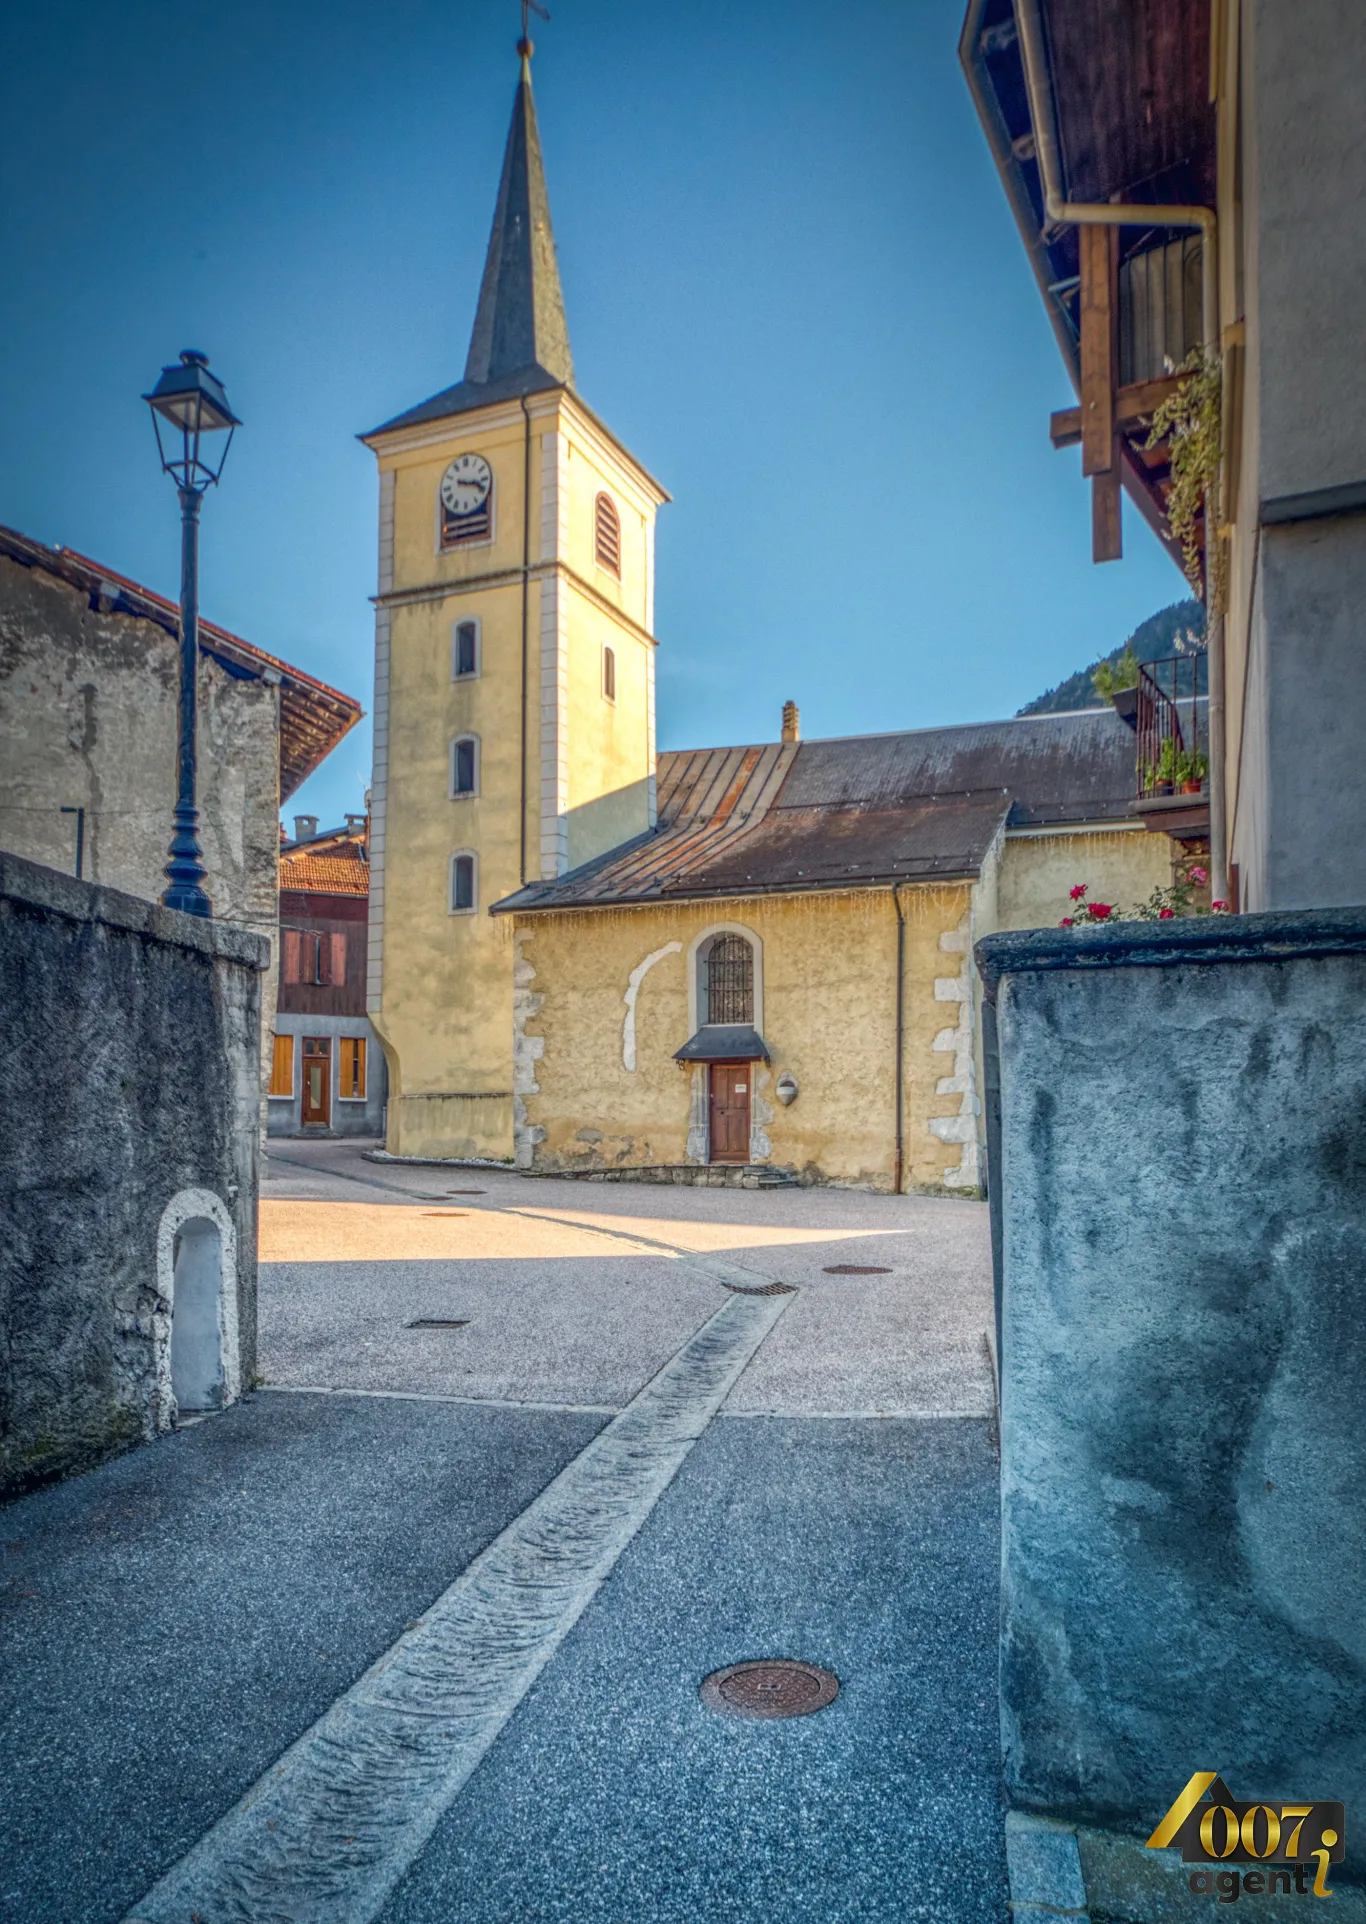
(699, 1115)
(197, 1257)
(957, 1041)
(760, 1114)
(527, 1051)
(633, 982)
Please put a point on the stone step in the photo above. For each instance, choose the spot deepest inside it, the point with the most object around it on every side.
(748, 1175)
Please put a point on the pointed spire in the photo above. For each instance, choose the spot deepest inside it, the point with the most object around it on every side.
(520, 319)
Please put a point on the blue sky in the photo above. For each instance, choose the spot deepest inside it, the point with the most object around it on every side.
(786, 257)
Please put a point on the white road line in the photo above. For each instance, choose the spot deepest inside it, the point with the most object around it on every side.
(326, 1833)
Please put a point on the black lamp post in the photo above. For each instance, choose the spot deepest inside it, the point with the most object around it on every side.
(192, 403)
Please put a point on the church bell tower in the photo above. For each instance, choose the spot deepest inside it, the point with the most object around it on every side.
(514, 707)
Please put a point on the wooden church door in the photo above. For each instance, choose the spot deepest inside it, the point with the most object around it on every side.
(730, 1111)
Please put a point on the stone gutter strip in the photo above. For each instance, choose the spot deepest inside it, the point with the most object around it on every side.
(1280, 936)
(33, 885)
(1045, 1869)
(325, 1835)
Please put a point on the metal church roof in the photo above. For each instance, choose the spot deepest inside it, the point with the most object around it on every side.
(870, 809)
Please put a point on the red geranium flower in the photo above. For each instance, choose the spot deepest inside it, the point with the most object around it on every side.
(1199, 876)
(1067, 922)
(1164, 915)
(1078, 891)
(1100, 910)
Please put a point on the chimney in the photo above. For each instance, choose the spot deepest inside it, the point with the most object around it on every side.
(355, 824)
(792, 722)
(305, 827)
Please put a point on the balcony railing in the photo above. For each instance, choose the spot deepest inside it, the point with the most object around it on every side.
(1172, 725)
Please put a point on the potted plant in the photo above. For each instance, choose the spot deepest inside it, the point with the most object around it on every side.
(1194, 767)
(1160, 776)
(1117, 682)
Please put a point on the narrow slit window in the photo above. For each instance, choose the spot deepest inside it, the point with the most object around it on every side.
(607, 535)
(465, 766)
(609, 673)
(465, 651)
(462, 884)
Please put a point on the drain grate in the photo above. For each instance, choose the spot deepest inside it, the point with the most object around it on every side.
(762, 1289)
(446, 1212)
(439, 1322)
(856, 1269)
(467, 1192)
(772, 1687)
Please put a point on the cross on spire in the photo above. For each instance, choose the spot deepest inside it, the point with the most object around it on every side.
(525, 46)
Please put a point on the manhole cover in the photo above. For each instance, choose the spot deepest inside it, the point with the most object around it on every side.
(772, 1687)
(439, 1322)
(856, 1269)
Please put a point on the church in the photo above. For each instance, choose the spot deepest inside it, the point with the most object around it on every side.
(736, 964)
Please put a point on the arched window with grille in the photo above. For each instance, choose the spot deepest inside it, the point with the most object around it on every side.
(607, 535)
(726, 980)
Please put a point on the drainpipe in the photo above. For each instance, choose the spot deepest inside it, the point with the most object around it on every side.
(1105, 213)
(526, 590)
(1061, 212)
(900, 1035)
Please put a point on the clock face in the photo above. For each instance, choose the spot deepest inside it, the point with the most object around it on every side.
(465, 484)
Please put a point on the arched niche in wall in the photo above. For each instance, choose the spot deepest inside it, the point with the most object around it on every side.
(198, 1364)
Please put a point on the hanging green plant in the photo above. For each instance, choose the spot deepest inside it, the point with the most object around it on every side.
(1188, 422)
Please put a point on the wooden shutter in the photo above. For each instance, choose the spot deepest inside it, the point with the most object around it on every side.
(282, 1065)
(337, 969)
(293, 959)
(352, 1082)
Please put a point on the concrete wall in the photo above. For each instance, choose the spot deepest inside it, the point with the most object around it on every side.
(604, 998)
(1293, 282)
(1182, 1191)
(128, 1115)
(89, 703)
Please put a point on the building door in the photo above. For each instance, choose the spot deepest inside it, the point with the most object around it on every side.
(730, 1111)
(317, 1093)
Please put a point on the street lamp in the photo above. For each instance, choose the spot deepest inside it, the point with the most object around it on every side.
(192, 403)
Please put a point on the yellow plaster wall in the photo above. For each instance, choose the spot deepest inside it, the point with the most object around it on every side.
(445, 1016)
(1122, 866)
(589, 469)
(828, 1016)
(418, 561)
(610, 756)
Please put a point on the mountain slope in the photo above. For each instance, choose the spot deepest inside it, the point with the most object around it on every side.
(1153, 638)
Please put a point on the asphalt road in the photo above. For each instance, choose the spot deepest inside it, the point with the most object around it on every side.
(173, 1621)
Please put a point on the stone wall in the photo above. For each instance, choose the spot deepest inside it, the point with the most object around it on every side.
(89, 718)
(1179, 1191)
(128, 1161)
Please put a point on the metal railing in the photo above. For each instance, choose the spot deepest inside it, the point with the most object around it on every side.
(1173, 726)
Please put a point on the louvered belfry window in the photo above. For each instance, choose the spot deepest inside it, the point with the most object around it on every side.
(607, 535)
(730, 980)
